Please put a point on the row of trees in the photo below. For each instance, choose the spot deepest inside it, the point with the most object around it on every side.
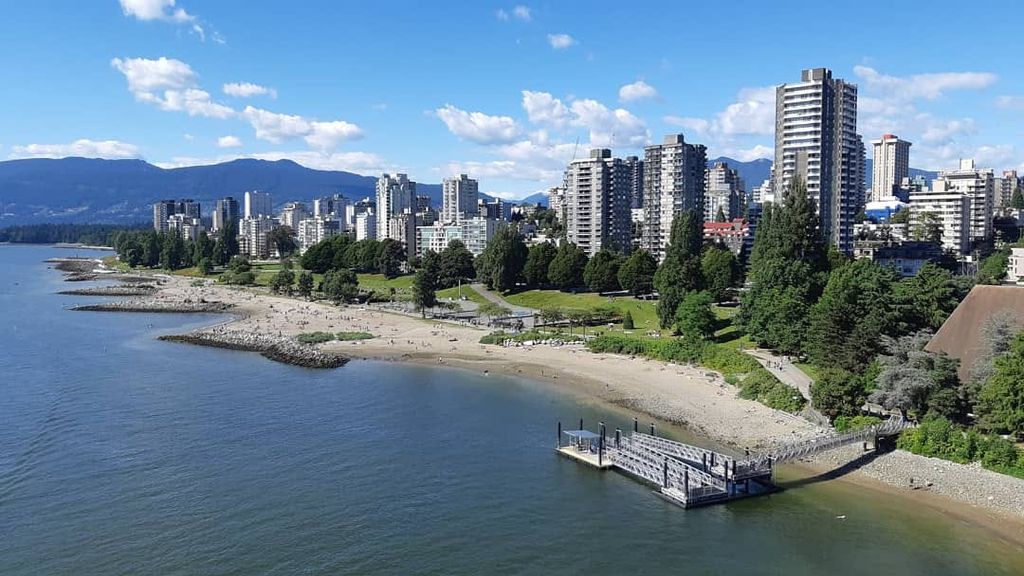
(151, 249)
(341, 252)
(89, 234)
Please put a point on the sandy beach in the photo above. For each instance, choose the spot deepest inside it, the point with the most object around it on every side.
(695, 398)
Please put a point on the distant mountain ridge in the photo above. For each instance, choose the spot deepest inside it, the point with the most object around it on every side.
(96, 190)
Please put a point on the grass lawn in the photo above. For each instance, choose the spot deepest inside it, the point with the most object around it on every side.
(644, 316)
(810, 369)
(467, 292)
(382, 286)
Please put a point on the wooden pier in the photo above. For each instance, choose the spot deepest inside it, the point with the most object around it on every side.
(692, 476)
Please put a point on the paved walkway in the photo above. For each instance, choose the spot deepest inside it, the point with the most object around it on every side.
(528, 314)
(784, 370)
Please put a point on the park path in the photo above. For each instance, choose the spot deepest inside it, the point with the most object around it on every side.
(528, 315)
(784, 370)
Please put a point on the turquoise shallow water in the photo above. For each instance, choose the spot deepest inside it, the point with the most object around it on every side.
(120, 454)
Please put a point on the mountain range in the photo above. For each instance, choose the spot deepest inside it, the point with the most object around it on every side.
(123, 191)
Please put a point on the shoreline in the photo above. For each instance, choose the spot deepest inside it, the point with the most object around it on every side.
(691, 398)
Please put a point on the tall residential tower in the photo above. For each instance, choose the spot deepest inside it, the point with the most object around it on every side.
(459, 198)
(891, 165)
(673, 183)
(597, 202)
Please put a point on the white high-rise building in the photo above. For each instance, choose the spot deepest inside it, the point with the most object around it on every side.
(366, 225)
(978, 184)
(724, 191)
(313, 230)
(1005, 188)
(254, 236)
(292, 214)
(891, 165)
(948, 209)
(597, 202)
(258, 204)
(395, 194)
(673, 184)
(816, 139)
(459, 198)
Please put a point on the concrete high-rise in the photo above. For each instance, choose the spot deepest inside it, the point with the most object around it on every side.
(816, 140)
(164, 209)
(396, 194)
(978, 185)
(891, 165)
(225, 210)
(258, 204)
(459, 198)
(724, 191)
(636, 181)
(673, 183)
(597, 203)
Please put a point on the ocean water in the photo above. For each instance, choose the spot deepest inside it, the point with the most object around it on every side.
(120, 454)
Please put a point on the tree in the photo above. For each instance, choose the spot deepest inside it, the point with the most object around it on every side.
(319, 257)
(788, 270)
(720, 215)
(627, 321)
(151, 249)
(538, 261)
(925, 300)
(282, 281)
(228, 240)
(566, 269)
(340, 285)
(456, 264)
(172, 253)
(390, 256)
(680, 271)
(855, 310)
(721, 272)
(637, 273)
(239, 264)
(694, 317)
(992, 269)
(283, 239)
(910, 376)
(900, 217)
(1017, 200)
(837, 392)
(928, 228)
(601, 272)
(205, 267)
(305, 284)
(1001, 401)
(424, 286)
(500, 266)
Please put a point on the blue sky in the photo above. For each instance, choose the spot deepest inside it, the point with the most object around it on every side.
(500, 90)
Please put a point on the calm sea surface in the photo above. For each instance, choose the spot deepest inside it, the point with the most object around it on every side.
(120, 454)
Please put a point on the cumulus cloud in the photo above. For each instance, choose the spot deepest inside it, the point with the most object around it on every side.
(522, 13)
(560, 41)
(544, 109)
(638, 90)
(928, 86)
(275, 127)
(477, 126)
(111, 149)
(699, 126)
(248, 90)
(606, 127)
(170, 85)
(229, 142)
(166, 11)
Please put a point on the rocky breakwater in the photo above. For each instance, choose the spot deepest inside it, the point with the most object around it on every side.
(282, 349)
(119, 290)
(147, 305)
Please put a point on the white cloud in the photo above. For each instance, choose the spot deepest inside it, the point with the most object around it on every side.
(229, 142)
(502, 15)
(927, 86)
(1010, 102)
(560, 41)
(522, 13)
(275, 127)
(609, 127)
(111, 149)
(638, 90)
(752, 113)
(170, 85)
(155, 10)
(698, 125)
(248, 90)
(545, 110)
(747, 154)
(365, 163)
(477, 126)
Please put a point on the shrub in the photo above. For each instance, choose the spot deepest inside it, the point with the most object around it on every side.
(851, 423)
(315, 337)
(728, 360)
(762, 386)
(347, 336)
(940, 438)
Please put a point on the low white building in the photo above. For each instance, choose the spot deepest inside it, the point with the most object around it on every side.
(314, 230)
(186, 227)
(473, 232)
(1015, 266)
(366, 225)
(952, 210)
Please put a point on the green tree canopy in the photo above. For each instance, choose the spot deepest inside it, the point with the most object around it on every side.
(566, 269)
(837, 392)
(911, 379)
(455, 264)
(721, 272)
(390, 256)
(538, 261)
(637, 273)
(500, 266)
(283, 239)
(340, 285)
(694, 317)
(282, 281)
(602, 272)
(1001, 401)
(424, 286)
(305, 284)
(680, 271)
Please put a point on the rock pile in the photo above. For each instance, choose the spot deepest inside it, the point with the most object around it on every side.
(278, 348)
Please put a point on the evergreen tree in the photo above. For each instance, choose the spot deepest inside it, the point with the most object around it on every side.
(340, 285)
(205, 267)
(680, 271)
(637, 273)
(229, 235)
(282, 281)
(1001, 401)
(1017, 200)
(721, 272)
(305, 284)
(424, 287)
(566, 269)
(456, 264)
(720, 216)
(538, 260)
(500, 266)
(601, 272)
(151, 249)
(627, 321)
(390, 256)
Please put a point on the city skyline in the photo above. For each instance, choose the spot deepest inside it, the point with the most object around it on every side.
(194, 83)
